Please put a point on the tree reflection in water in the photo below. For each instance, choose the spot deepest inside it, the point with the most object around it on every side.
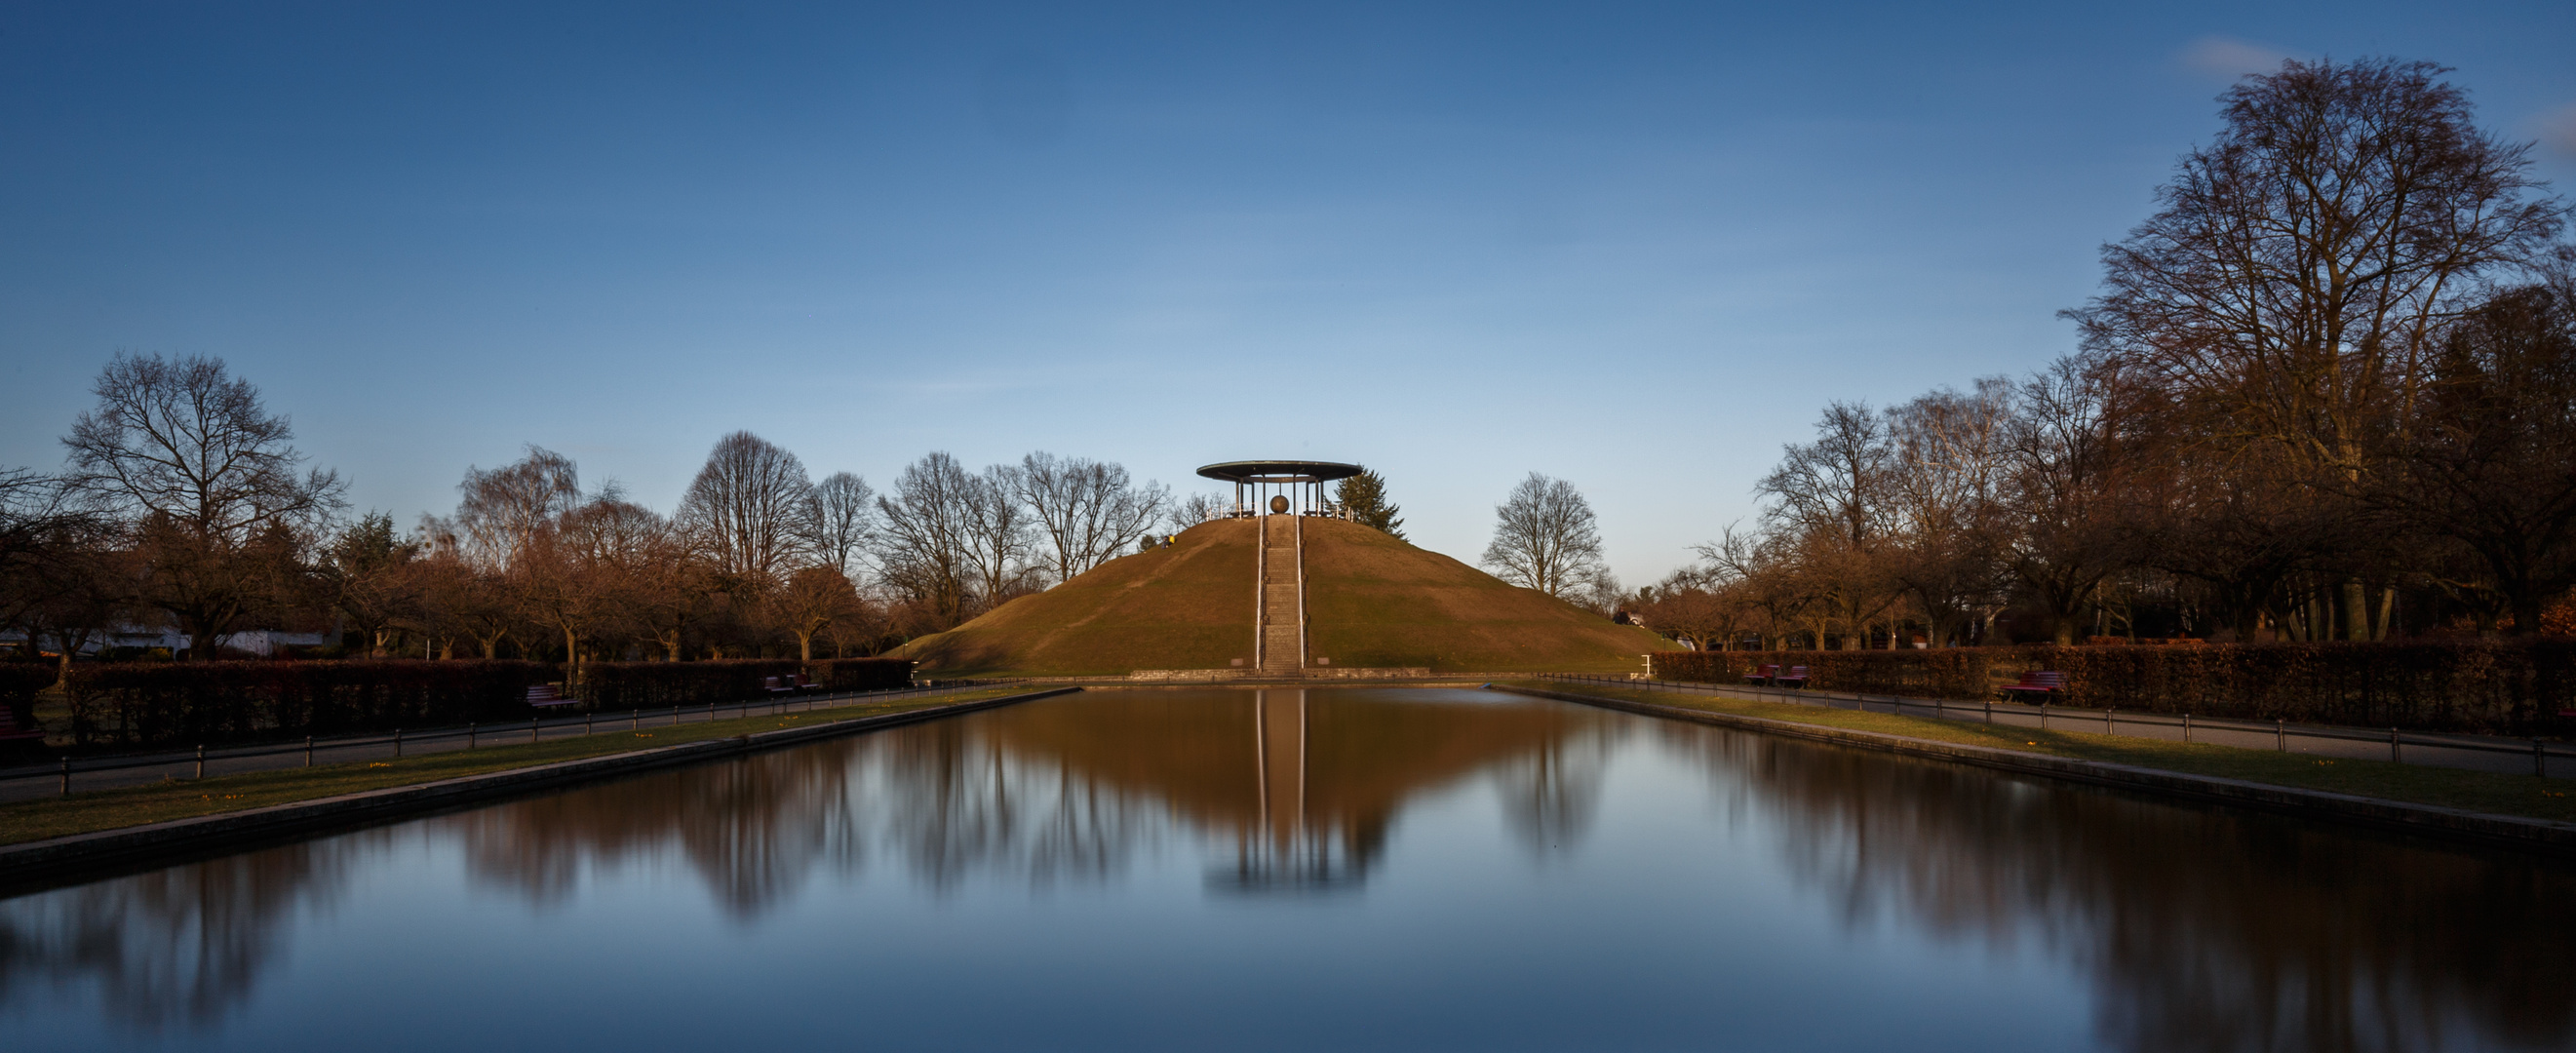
(179, 947)
(2197, 929)
(2200, 929)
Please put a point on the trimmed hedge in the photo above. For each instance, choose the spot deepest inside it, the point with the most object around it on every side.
(19, 683)
(650, 685)
(207, 702)
(2482, 686)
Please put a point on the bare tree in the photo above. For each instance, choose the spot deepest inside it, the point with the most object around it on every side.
(2068, 485)
(1196, 509)
(1947, 471)
(924, 549)
(1546, 538)
(43, 537)
(1832, 502)
(1088, 510)
(2495, 468)
(2294, 279)
(504, 511)
(188, 451)
(840, 518)
(813, 600)
(748, 508)
(1000, 536)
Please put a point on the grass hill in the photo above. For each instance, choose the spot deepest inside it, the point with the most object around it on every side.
(1371, 600)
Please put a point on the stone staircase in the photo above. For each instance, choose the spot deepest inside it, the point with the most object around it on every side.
(1282, 648)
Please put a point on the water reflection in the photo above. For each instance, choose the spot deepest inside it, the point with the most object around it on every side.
(1301, 787)
(2193, 929)
(2202, 930)
(176, 947)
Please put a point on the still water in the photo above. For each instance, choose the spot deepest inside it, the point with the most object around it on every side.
(1321, 869)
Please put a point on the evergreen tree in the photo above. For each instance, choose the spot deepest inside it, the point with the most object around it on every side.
(1365, 495)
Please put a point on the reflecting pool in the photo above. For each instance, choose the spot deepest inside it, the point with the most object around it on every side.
(1318, 869)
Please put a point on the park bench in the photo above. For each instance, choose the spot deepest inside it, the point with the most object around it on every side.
(1795, 677)
(2045, 684)
(1762, 675)
(544, 696)
(787, 685)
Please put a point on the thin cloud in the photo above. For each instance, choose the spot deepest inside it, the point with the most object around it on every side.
(2558, 130)
(2228, 58)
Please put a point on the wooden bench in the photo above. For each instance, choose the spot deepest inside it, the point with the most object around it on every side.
(1795, 677)
(544, 696)
(1762, 675)
(2041, 682)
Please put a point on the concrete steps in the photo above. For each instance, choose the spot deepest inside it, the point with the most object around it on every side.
(1282, 649)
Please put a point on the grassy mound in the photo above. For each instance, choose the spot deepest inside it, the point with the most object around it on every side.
(1184, 607)
(1371, 601)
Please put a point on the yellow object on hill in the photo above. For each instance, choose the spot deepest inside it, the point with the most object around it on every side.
(1372, 601)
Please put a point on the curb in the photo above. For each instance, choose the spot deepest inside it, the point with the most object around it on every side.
(153, 842)
(2424, 819)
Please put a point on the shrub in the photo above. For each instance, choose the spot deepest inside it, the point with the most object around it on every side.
(860, 674)
(19, 682)
(651, 685)
(202, 702)
(2514, 687)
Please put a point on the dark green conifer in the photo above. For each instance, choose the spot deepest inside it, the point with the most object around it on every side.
(1365, 495)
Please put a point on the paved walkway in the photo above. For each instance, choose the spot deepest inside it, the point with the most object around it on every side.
(31, 782)
(2495, 753)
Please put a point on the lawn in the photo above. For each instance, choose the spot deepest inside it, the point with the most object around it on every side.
(2476, 791)
(186, 798)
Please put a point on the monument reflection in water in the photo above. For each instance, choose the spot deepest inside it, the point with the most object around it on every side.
(1349, 867)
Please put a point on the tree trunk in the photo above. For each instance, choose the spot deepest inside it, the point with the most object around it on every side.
(2356, 611)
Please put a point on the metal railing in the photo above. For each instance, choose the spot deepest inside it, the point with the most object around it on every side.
(393, 744)
(2193, 728)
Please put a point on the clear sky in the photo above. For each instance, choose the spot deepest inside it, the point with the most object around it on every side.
(1637, 246)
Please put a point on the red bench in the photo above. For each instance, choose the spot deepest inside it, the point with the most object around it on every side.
(544, 696)
(2041, 682)
(1762, 675)
(1795, 677)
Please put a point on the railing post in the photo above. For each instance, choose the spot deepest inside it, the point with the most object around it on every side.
(469, 734)
(308, 751)
(2186, 727)
(2043, 714)
(201, 760)
(2392, 747)
(1990, 711)
(2539, 761)
(397, 743)
(67, 768)
(2106, 718)
(2280, 735)
(532, 729)
(586, 719)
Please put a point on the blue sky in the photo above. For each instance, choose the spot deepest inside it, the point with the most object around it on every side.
(1637, 247)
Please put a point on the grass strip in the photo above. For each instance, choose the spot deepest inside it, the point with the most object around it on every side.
(97, 810)
(2475, 791)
